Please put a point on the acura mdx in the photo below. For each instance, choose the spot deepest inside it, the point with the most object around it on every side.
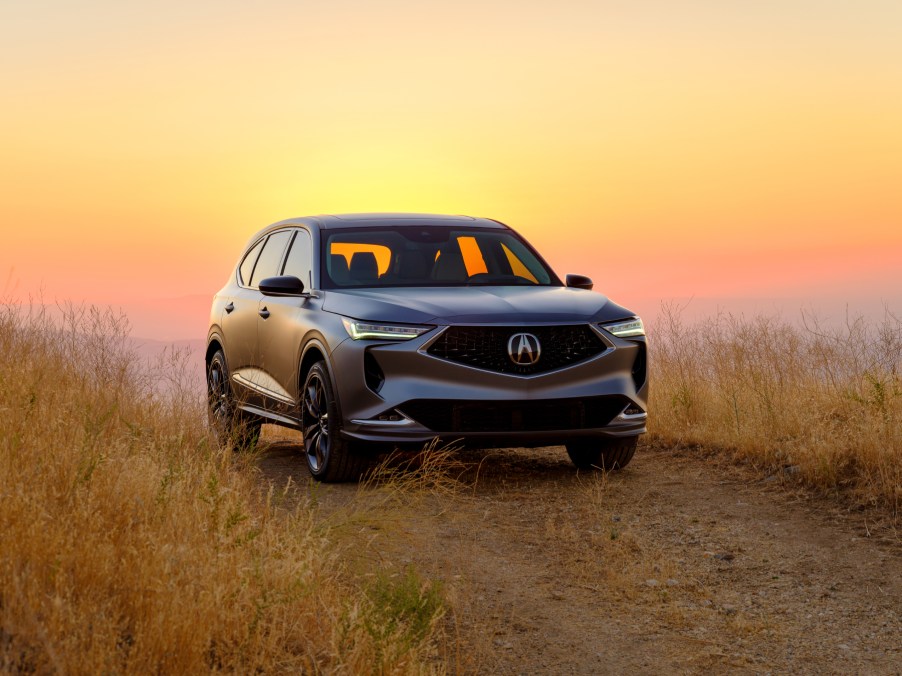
(375, 331)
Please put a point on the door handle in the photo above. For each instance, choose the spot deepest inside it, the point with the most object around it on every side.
(229, 308)
(264, 313)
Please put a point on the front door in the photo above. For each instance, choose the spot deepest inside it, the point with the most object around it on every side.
(282, 329)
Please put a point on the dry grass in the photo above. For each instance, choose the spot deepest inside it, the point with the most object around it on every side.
(130, 543)
(823, 403)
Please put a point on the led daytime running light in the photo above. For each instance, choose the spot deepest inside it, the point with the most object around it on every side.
(368, 331)
(627, 329)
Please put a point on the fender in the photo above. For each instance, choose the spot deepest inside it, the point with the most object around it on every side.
(317, 340)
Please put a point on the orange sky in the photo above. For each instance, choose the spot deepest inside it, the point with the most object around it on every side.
(664, 148)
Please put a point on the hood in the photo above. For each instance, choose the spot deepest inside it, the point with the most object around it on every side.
(474, 305)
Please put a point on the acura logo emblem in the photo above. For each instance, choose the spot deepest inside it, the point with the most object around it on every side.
(524, 349)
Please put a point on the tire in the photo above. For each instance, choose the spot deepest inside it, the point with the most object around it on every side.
(230, 426)
(604, 454)
(330, 458)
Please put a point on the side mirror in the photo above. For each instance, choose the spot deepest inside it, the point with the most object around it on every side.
(287, 285)
(579, 282)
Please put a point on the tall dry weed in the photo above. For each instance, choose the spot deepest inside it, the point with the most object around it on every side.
(825, 401)
(130, 543)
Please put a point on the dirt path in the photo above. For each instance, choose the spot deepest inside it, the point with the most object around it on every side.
(678, 564)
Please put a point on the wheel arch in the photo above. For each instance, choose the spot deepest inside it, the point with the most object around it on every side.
(313, 352)
(214, 343)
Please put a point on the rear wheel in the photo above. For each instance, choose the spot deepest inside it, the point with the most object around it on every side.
(329, 457)
(606, 454)
(230, 427)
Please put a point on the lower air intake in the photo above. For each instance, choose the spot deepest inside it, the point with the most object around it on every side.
(545, 415)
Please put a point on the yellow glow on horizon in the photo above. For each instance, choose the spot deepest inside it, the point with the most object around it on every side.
(149, 138)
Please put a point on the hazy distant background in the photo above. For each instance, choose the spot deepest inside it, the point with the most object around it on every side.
(745, 155)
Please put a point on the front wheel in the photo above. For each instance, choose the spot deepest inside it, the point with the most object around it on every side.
(606, 454)
(329, 457)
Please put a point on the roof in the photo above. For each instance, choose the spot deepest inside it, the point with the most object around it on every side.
(334, 221)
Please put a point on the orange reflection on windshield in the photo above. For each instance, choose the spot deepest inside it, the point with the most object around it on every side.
(348, 249)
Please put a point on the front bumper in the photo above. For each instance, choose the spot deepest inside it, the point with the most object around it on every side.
(421, 397)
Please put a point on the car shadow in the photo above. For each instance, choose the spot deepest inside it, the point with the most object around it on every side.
(482, 469)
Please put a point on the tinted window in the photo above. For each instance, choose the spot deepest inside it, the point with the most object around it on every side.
(299, 261)
(430, 256)
(270, 257)
(247, 265)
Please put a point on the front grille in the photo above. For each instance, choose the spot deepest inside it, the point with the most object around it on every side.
(485, 347)
(543, 415)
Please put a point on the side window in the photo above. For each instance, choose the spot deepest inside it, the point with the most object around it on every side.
(247, 265)
(271, 257)
(300, 258)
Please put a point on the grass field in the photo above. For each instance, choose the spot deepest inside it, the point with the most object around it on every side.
(822, 403)
(129, 543)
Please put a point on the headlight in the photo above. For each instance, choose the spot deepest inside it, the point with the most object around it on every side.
(627, 329)
(359, 330)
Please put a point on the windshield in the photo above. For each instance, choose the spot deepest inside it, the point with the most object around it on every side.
(413, 255)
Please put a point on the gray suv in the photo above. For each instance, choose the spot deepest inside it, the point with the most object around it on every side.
(373, 331)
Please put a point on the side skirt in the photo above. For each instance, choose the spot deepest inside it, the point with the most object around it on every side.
(271, 417)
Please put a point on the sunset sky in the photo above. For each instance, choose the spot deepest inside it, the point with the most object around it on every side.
(664, 148)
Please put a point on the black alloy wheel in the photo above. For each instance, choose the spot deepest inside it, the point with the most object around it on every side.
(217, 395)
(229, 427)
(316, 423)
(330, 458)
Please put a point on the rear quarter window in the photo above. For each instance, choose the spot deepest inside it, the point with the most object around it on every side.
(246, 269)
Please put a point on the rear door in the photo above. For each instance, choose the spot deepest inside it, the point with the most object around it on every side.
(239, 317)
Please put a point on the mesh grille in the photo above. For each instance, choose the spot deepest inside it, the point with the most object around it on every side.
(485, 347)
(451, 416)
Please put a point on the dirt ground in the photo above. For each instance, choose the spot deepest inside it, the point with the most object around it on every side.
(680, 563)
